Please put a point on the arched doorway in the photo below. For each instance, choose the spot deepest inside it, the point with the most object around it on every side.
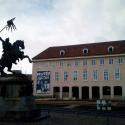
(75, 92)
(106, 92)
(56, 92)
(65, 92)
(85, 92)
(117, 90)
(95, 92)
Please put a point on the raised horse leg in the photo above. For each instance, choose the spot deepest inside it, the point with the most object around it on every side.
(26, 56)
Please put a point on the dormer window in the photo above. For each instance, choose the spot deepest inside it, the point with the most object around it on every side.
(62, 52)
(85, 51)
(110, 49)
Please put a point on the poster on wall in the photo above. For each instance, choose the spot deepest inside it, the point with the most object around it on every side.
(43, 82)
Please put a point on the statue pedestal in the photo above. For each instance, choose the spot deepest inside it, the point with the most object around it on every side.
(16, 99)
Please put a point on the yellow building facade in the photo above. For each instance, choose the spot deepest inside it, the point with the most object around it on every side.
(86, 71)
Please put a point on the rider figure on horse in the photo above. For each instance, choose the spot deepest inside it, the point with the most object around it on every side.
(7, 46)
(7, 49)
(11, 54)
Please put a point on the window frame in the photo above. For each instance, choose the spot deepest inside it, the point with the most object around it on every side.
(110, 49)
(106, 75)
(102, 61)
(95, 75)
(85, 62)
(57, 76)
(77, 62)
(62, 52)
(93, 61)
(121, 60)
(111, 61)
(117, 74)
(65, 76)
(75, 75)
(85, 51)
(85, 75)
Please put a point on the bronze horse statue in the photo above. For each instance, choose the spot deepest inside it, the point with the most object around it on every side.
(11, 54)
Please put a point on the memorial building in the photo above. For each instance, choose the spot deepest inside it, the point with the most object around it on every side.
(84, 72)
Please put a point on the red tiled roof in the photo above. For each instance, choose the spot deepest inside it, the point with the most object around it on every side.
(94, 49)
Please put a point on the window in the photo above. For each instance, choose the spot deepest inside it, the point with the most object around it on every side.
(85, 51)
(68, 64)
(106, 75)
(110, 49)
(56, 63)
(75, 75)
(61, 63)
(56, 76)
(84, 62)
(95, 74)
(85, 75)
(101, 61)
(65, 76)
(111, 60)
(52, 64)
(117, 74)
(120, 60)
(62, 52)
(76, 62)
(93, 62)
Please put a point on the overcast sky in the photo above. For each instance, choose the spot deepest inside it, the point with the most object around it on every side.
(45, 23)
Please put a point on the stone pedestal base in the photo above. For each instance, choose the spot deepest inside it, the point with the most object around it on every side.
(16, 99)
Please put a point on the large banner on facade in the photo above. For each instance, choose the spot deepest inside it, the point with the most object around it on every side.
(43, 82)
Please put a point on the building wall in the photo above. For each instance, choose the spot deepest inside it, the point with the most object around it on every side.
(70, 65)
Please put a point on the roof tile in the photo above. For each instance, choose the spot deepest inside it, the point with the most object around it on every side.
(94, 49)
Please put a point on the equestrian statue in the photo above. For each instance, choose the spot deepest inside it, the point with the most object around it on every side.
(11, 54)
